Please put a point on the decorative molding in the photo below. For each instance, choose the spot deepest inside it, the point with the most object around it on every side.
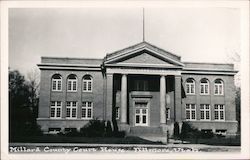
(143, 71)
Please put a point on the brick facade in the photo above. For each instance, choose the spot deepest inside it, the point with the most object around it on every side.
(142, 65)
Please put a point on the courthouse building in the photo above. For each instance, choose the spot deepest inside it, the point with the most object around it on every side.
(145, 89)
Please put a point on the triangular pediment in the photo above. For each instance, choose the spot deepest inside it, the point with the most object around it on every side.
(143, 54)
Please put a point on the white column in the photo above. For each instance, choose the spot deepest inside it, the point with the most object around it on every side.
(124, 99)
(163, 99)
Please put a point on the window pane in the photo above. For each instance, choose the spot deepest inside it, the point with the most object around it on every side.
(67, 112)
(144, 119)
(58, 112)
(187, 114)
(59, 85)
(53, 85)
(202, 115)
(52, 112)
(193, 114)
(89, 113)
(89, 86)
(89, 104)
(221, 115)
(137, 119)
(216, 115)
(84, 104)
(74, 112)
(69, 85)
(59, 103)
(84, 85)
(207, 115)
(74, 85)
(52, 103)
(84, 112)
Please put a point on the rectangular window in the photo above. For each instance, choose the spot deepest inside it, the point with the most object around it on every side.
(190, 112)
(117, 112)
(55, 109)
(168, 113)
(205, 111)
(87, 110)
(219, 112)
(71, 109)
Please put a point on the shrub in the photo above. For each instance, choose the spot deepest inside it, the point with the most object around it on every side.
(176, 130)
(95, 128)
(188, 131)
(108, 129)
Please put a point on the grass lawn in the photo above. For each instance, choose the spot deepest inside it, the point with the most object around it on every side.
(222, 141)
(65, 139)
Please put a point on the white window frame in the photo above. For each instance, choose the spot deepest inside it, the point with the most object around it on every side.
(219, 110)
(57, 106)
(87, 107)
(167, 113)
(139, 105)
(203, 108)
(117, 112)
(220, 87)
(189, 87)
(191, 110)
(70, 106)
(204, 85)
(88, 83)
(70, 82)
(57, 82)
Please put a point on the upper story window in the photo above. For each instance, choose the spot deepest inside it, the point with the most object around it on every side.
(190, 86)
(56, 82)
(72, 83)
(204, 86)
(218, 87)
(141, 85)
(87, 83)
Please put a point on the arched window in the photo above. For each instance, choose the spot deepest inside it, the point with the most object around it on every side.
(87, 83)
(72, 83)
(204, 86)
(190, 86)
(218, 87)
(56, 82)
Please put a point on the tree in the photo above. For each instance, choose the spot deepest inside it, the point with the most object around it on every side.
(21, 117)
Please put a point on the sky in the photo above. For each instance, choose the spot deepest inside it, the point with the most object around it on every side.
(195, 34)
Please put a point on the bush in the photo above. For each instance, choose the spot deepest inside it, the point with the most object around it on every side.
(176, 130)
(95, 128)
(108, 129)
(119, 134)
(188, 131)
